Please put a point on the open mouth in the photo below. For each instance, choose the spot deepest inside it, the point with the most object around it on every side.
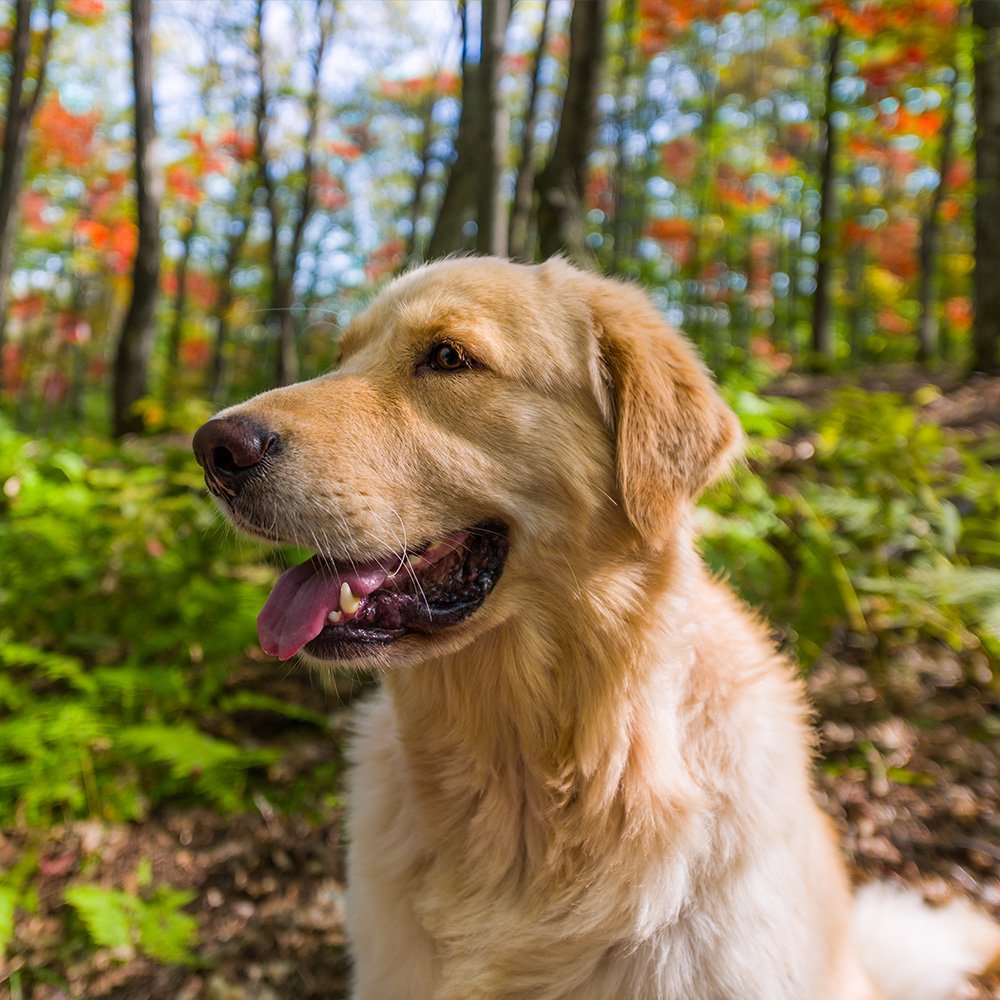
(336, 611)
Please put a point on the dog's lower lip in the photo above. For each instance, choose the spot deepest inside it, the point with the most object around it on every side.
(429, 589)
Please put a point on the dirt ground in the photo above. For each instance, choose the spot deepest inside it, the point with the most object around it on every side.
(909, 769)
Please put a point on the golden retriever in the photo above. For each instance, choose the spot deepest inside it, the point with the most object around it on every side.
(587, 773)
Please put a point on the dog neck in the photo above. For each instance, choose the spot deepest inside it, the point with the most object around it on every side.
(559, 728)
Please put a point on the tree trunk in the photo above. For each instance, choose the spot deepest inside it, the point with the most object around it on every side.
(237, 237)
(459, 200)
(822, 325)
(180, 309)
(15, 137)
(561, 185)
(423, 173)
(491, 209)
(135, 341)
(284, 364)
(986, 282)
(283, 269)
(520, 220)
(626, 101)
(930, 238)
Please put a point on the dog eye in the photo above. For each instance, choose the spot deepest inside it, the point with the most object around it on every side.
(446, 357)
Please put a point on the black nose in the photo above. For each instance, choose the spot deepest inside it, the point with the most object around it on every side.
(231, 450)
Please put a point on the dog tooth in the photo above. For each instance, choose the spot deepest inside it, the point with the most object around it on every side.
(348, 602)
(335, 616)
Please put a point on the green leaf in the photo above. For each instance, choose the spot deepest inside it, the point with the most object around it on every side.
(8, 905)
(107, 914)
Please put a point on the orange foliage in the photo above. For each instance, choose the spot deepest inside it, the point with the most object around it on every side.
(676, 236)
(599, 194)
(182, 183)
(890, 71)
(863, 148)
(868, 18)
(116, 241)
(959, 174)
(200, 288)
(856, 235)
(862, 19)
(763, 350)
(13, 370)
(90, 11)
(32, 206)
(959, 313)
(65, 139)
(902, 161)
(72, 329)
(385, 260)
(926, 124)
(361, 136)
(239, 146)
(731, 188)
(950, 209)
(195, 352)
(105, 191)
(669, 230)
(895, 247)
(419, 88)
(759, 277)
(892, 323)
(679, 159)
(781, 161)
(660, 21)
(343, 150)
(330, 195)
(30, 307)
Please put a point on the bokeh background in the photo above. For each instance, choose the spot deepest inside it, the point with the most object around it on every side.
(197, 195)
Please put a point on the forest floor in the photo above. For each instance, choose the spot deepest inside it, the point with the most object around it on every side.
(909, 769)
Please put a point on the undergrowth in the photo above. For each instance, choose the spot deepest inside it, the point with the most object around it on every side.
(861, 527)
(125, 608)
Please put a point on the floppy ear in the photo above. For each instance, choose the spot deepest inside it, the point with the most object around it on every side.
(673, 433)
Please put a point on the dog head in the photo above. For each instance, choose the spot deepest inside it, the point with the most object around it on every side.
(486, 420)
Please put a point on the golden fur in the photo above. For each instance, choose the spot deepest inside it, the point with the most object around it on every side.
(598, 786)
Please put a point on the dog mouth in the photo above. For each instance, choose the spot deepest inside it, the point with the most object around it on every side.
(337, 611)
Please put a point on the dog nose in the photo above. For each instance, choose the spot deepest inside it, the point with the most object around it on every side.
(230, 450)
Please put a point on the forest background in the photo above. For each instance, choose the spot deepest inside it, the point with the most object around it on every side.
(194, 199)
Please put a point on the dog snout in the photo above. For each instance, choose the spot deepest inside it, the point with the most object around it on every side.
(232, 451)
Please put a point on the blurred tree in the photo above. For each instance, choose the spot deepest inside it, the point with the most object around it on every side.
(521, 237)
(459, 199)
(930, 231)
(135, 339)
(623, 193)
(23, 95)
(694, 162)
(560, 185)
(283, 255)
(494, 126)
(986, 332)
(822, 320)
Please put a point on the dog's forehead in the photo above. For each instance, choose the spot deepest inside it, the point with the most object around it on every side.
(500, 312)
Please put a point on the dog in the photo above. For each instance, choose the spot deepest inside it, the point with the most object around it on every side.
(587, 773)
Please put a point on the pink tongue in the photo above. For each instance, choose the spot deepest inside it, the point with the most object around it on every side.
(303, 597)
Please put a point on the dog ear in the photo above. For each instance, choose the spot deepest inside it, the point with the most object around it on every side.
(673, 433)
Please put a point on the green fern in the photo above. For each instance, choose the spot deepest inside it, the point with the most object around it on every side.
(125, 923)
